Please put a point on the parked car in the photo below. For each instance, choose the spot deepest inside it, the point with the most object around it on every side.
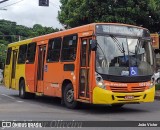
(156, 77)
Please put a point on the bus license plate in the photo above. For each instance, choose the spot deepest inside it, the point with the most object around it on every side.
(129, 97)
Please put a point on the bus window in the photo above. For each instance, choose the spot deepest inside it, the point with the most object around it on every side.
(31, 53)
(83, 53)
(54, 48)
(22, 54)
(69, 48)
(8, 56)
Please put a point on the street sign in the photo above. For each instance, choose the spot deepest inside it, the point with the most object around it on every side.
(43, 2)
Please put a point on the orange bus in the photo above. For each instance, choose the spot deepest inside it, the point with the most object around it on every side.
(99, 63)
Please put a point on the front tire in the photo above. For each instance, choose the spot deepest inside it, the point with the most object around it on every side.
(68, 97)
(116, 106)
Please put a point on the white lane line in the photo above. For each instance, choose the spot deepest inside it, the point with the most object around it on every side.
(11, 98)
(20, 101)
(8, 96)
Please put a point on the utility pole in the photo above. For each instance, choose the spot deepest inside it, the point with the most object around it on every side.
(19, 37)
(3, 2)
(3, 9)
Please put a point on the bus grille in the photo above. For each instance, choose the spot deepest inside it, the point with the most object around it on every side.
(127, 89)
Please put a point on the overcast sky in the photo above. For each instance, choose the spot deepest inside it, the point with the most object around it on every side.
(28, 13)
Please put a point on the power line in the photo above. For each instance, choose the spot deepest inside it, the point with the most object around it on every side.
(3, 1)
(3, 9)
(54, 4)
(8, 35)
(12, 4)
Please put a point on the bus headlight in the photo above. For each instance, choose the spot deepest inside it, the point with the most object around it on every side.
(101, 85)
(99, 81)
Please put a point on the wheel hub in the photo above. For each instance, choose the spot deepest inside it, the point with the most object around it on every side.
(70, 96)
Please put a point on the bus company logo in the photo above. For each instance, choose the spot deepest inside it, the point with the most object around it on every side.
(21, 124)
(6, 124)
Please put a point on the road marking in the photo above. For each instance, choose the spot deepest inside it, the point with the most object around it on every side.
(8, 96)
(11, 98)
(20, 101)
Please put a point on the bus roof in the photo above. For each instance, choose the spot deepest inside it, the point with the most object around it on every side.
(20, 42)
(84, 28)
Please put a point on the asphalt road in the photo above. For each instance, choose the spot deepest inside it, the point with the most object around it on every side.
(49, 109)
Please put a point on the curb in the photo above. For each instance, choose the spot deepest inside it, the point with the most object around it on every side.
(157, 97)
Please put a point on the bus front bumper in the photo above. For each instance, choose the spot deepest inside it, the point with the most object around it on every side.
(102, 96)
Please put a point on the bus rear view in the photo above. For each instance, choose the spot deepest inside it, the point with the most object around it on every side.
(124, 65)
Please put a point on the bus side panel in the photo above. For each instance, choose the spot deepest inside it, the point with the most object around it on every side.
(7, 76)
(11, 71)
(20, 73)
(30, 77)
(53, 75)
(30, 73)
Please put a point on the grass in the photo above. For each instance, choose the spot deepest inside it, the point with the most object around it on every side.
(157, 86)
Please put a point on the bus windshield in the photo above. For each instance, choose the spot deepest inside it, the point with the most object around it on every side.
(124, 56)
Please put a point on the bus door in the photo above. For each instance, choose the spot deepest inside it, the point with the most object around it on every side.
(40, 68)
(13, 69)
(84, 80)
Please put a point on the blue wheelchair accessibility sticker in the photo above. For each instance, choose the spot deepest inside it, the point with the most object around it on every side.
(133, 71)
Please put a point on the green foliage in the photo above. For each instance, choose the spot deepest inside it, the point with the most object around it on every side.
(11, 32)
(2, 52)
(144, 13)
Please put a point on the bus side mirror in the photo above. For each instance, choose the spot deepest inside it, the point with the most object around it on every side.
(94, 45)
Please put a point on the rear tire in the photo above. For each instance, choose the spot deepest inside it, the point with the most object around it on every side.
(22, 91)
(68, 97)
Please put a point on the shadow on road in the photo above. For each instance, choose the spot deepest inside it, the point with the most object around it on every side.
(85, 108)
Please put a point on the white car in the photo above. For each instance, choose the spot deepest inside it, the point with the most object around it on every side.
(156, 77)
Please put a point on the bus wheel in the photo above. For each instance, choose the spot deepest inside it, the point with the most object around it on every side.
(68, 97)
(22, 93)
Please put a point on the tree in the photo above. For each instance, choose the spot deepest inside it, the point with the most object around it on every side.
(10, 32)
(2, 52)
(144, 13)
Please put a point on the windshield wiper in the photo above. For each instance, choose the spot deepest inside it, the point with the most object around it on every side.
(137, 47)
(120, 47)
